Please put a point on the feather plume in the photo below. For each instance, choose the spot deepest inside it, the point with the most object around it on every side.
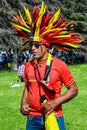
(51, 27)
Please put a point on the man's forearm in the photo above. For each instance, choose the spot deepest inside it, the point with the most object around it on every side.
(24, 109)
(68, 95)
(24, 96)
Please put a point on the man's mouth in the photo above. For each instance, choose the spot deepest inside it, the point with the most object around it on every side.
(34, 53)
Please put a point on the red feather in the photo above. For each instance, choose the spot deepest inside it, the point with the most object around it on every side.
(19, 20)
(58, 40)
(46, 19)
(66, 24)
(55, 33)
(42, 29)
(22, 33)
(43, 22)
(35, 12)
(61, 48)
(59, 23)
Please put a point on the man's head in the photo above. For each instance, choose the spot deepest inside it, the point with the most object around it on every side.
(39, 50)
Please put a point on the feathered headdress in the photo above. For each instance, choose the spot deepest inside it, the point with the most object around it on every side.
(48, 28)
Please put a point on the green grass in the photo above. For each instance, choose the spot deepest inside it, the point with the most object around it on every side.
(10, 116)
(75, 111)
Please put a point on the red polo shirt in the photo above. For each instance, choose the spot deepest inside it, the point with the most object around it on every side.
(59, 75)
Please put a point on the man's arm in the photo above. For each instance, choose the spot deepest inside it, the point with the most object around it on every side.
(71, 92)
(24, 102)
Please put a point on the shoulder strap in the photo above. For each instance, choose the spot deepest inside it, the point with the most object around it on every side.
(48, 67)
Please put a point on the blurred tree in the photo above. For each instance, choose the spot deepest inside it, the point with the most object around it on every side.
(75, 10)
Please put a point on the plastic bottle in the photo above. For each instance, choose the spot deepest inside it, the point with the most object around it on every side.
(11, 85)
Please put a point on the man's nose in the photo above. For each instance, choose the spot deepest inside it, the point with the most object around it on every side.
(33, 47)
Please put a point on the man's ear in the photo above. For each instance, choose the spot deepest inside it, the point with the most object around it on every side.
(48, 47)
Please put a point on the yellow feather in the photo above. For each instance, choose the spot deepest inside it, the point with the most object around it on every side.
(28, 16)
(62, 36)
(20, 27)
(15, 18)
(36, 32)
(55, 17)
(63, 32)
(24, 23)
(38, 24)
(72, 45)
(25, 46)
(48, 27)
(49, 30)
(37, 29)
(43, 8)
(39, 21)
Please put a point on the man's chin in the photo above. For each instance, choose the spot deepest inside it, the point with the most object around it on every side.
(36, 57)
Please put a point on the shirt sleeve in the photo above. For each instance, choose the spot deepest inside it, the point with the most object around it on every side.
(66, 76)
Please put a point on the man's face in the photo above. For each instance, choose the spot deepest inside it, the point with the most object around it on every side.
(39, 50)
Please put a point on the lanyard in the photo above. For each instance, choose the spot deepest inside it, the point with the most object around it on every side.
(48, 68)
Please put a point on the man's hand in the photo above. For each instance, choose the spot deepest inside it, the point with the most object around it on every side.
(50, 106)
(24, 108)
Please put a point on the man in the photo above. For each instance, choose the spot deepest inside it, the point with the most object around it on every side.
(32, 98)
(45, 74)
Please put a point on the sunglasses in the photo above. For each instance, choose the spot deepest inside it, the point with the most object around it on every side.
(36, 45)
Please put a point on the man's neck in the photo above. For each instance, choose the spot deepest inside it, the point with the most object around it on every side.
(44, 58)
